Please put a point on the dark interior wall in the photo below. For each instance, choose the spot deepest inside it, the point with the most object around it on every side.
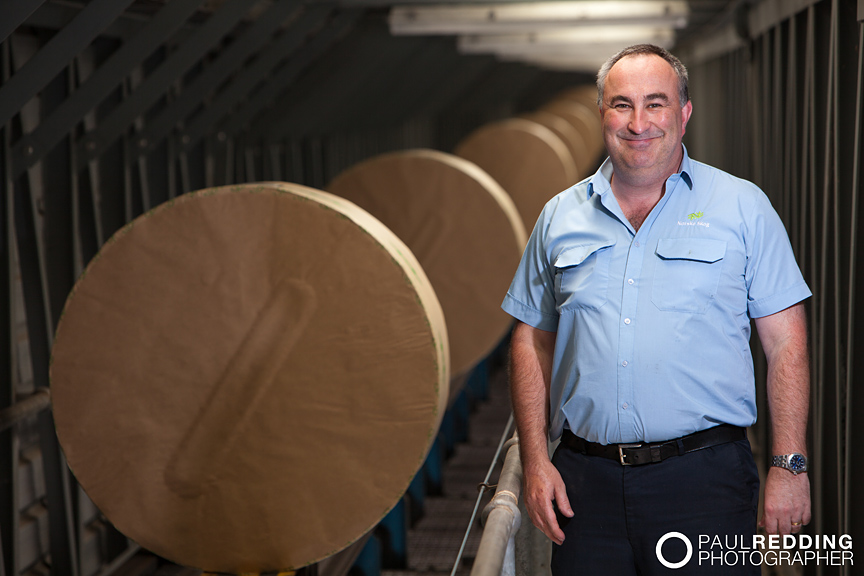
(785, 112)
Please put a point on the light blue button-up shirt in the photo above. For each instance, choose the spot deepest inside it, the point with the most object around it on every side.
(654, 325)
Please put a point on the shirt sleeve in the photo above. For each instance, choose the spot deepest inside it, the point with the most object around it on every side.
(772, 276)
(531, 297)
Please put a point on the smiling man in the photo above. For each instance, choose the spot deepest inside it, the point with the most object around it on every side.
(634, 299)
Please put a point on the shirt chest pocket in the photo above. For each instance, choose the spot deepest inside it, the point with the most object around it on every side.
(687, 273)
(582, 276)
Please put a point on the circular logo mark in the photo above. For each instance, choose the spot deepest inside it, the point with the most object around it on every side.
(659, 550)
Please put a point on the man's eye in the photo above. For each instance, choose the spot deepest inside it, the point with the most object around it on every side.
(621, 106)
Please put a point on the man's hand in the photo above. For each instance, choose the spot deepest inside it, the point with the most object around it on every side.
(787, 502)
(543, 485)
(531, 352)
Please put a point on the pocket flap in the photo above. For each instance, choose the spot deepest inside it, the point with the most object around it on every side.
(578, 254)
(699, 249)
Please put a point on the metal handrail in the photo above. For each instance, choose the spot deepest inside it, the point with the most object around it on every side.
(502, 519)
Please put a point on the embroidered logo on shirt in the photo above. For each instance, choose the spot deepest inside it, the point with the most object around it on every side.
(695, 219)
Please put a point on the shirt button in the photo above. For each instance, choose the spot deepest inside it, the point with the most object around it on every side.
(624, 363)
(637, 244)
(630, 281)
(626, 321)
(625, 406)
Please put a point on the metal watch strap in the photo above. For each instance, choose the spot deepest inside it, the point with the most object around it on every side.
(784, 461)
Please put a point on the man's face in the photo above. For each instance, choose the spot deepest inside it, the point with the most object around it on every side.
(643, 120)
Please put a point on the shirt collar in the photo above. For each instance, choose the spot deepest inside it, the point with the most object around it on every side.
(601, 182)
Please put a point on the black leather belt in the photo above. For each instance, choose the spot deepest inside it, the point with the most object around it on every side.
(649, 453)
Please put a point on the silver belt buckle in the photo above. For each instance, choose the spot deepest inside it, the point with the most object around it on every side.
(621, 455)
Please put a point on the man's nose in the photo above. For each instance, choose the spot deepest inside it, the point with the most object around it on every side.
(638, 121)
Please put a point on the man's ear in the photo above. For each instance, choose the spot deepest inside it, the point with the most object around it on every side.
(686, 111)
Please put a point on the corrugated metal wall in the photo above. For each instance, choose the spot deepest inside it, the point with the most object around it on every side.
(785, 112)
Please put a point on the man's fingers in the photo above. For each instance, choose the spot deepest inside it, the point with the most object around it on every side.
(553, 530)
(544, 491)
(547, 522)
(563, 502)
(787, 502)
(769, 524)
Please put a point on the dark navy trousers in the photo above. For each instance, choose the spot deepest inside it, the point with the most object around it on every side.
(622, 512)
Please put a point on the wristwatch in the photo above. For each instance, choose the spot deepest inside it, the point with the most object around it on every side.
(795, 463)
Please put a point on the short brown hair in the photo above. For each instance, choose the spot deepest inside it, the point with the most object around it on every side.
(646, 49)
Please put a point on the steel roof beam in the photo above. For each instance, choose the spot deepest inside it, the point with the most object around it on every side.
(32, 147)
(289, 72)
(423, 73)
(505, 83)
(56, 54)
(241, 85)
(249, 43)
(14, 13)
(468, 70)
(249, 77)
(350, 80)
(157, 83)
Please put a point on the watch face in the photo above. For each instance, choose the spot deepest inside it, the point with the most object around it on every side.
(797, 462)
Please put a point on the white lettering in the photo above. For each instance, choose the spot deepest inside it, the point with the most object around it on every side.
(846, 542)
(758, 541)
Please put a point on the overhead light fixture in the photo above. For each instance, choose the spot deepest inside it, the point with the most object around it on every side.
(528, 17)
(598, 38)
(573, 62)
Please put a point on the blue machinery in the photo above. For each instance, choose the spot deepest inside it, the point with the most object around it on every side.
(387, 548)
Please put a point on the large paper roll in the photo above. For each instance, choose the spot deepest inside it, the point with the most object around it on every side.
(246, 379)
(568, 134)
(584, 120)
(585, 94)
(461, 226)
(529, 161)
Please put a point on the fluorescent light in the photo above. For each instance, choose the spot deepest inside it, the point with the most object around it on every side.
(532, 16)
(574, 62)
(599, 37)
